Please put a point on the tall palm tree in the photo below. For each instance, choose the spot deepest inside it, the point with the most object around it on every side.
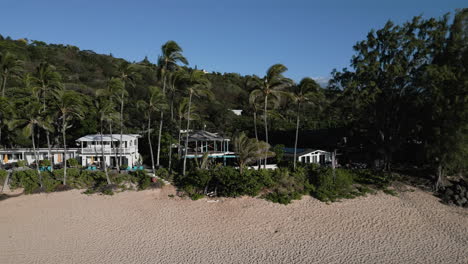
(271, 86)
(115, 92)
(199, 85)
(126, 73)
(9, 66)
(104, 108)
(249, 150)
(171, 55)
(70, 107)
(48, 80)
(156, 102)
(182, 113)
(307, 91)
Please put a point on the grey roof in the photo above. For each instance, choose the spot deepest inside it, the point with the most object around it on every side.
(108, 137)
(205, 136)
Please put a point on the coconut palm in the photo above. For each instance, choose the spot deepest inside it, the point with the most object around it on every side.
(249, 150)
(126, 74)
(182, 113)
(28, 123)
(156, 102)
(199, 85)
(171, 55)
(307, 91)
(70, 107)
(271, 87)
(9, 66)
(48, 80)
(115, 92)
(104, 108)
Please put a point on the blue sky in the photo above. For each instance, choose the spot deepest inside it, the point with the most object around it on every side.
(309, 37)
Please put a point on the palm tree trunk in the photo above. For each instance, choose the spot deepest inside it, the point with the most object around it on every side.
(186, 138)
(297, 134)
(170, 155)
(159, 138)
(440, 176)
(255, 124)
(4, 80)
(150, 145)
(178, 145)
(103, 157)
(36, 157)
(112, 143)
(161, 123)
(64, 151)
(266, 127)
(121, 129)
(49, 152)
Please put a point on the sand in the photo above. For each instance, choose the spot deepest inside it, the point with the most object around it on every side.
(150, 227)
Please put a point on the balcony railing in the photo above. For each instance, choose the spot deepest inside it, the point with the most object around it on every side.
(107, 150)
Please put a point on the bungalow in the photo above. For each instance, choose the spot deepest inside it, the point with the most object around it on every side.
(201, 142)
(89, 152)
(309, 155)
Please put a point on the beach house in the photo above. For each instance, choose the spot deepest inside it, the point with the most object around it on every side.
(309, 155)
(204, 142)
(89, 152)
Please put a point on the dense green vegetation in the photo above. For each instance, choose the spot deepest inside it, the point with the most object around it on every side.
(402, 103)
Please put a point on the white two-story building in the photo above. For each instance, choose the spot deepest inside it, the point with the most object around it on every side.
(89, 151)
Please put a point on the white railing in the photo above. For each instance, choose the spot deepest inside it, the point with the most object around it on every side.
(98, 150)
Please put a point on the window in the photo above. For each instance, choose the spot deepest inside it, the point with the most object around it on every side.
(308, 159)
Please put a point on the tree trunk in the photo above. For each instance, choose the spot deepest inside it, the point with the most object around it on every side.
(255, 125)
(121, 128)
(186, 138)
(161, 121)
(150, 144)
(49, 151)
(112, 143)
(4, 80)
(5, 184)
(266, 128)
(36, 156)
(440, 177)
(64, 151)
(178, 146)
(297, 134)
(103, 157)
(334, 165)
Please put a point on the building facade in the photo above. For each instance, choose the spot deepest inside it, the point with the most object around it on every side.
(88, 153)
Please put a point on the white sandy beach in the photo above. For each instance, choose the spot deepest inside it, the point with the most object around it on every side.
(150, 227)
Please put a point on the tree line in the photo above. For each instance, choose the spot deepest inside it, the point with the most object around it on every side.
(405, 92)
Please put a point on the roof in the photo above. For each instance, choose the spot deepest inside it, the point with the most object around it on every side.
(108, 137)
(205, 136)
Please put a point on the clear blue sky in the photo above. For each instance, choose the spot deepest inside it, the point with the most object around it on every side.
(309, 37)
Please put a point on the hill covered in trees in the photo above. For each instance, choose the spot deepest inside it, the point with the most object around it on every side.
(404, 99)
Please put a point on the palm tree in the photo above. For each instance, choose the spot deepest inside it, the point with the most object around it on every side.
(182, 113)
(249, 150)
(126, 73)
(9, 65)
(29, 122)
(171, 55)
(103, 109)
(48, 80)
(156, 102)
(115, 92)
(306, 92)
(199, 85)
(70, 107)
(271, 86)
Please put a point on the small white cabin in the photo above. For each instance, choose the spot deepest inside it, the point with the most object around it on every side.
(309, 155)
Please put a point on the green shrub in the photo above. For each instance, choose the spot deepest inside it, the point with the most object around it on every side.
(44, 163)
(72, 162)
(21, 163)
(163, 173)
(329, 189)
(379, 179)
(288, 186)
(3, 175)
(196, 196)
(29, 180)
